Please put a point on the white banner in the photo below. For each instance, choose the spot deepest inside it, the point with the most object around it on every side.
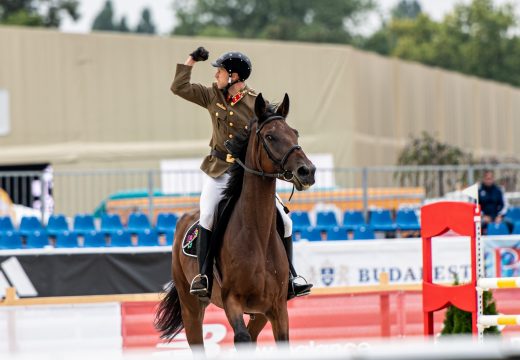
(357, 263)
(79, 327)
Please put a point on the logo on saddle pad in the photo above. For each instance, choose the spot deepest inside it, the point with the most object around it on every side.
(189, 241)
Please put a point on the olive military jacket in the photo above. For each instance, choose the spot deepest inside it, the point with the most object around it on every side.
(227, 118)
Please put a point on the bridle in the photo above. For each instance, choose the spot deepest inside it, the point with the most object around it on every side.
(285, 174)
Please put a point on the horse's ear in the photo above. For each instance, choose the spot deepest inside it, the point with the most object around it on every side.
(283, 108)
(260, 106)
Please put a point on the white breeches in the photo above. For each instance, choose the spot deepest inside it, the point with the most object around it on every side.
(212, 194)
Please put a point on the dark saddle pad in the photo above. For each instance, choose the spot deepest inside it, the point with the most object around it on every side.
(189, 241)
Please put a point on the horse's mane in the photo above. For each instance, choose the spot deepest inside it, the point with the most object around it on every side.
(237, 147)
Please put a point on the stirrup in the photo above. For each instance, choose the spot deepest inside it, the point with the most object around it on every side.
(203, 292)
(306, 286)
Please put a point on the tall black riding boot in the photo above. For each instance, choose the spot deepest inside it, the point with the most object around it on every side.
(199, 284)
(295, 289)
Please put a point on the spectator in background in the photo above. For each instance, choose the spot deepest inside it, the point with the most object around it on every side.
(492, 201)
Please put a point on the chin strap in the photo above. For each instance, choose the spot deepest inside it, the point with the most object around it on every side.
(230, 83)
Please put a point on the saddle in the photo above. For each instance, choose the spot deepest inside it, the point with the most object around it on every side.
(190, 238)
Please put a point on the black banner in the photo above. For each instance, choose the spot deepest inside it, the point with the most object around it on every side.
(86, 273)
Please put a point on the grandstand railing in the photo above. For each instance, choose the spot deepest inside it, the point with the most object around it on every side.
(153, 191)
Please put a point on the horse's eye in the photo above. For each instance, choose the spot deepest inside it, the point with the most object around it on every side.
(269, 137)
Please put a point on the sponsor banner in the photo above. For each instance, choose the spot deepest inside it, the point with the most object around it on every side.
(67, 272)
(502, 256)
(358, 263)
(72, 274)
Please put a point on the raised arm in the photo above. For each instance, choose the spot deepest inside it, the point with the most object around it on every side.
(181, 85)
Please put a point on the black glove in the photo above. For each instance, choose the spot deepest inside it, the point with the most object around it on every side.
(200, 54)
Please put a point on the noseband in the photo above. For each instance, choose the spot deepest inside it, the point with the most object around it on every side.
(285, 175)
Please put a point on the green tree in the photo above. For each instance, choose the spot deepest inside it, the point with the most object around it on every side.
(44, 13)
(383, 40)
(104, 21)
(406, 9)
(460, 322)
(427, 150)
(476, 39)
(122, 26)
(299, 20)
(146, 25)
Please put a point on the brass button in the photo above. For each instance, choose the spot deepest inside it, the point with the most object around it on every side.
(231, 136)
(216, 114)
(231, 113)
(230, 124)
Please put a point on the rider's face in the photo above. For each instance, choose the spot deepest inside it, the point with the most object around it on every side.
(222, 77)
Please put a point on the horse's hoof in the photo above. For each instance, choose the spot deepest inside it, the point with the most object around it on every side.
(242, 338)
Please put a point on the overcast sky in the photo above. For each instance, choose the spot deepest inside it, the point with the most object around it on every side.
(163, 17)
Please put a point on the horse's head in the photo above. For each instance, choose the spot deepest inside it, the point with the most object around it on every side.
(277, 150)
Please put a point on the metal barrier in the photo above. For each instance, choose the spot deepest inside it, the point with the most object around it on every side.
(88, 191)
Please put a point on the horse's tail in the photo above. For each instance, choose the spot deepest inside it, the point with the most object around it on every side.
(168, 319)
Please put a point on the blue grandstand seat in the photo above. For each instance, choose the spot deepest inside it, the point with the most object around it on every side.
(111, 223)
(337, 233)
(10, 240)
(138, 223)
(149, 238)
(516, 228)
(353, 219)
(406, 219)
(311, 234)
(497, 229)
(120, 238)
(513, 214)
(66, 240)
(381, 220)
(326, 220)
(56, 225)
(300, 219)
(94, 239)
(83, 225)
(6, 225)
(37, 240)
(166, 223)
(364, 233)
(30, 225)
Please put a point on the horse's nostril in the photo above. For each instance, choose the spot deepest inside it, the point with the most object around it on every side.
(303, 171)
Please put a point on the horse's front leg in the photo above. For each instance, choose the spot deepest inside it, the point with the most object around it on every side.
(279, 318)
(255, 325)
(235, 315)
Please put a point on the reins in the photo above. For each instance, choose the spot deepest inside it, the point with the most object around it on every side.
(286, 175)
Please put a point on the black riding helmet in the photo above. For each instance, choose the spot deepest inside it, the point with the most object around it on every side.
(235, 62)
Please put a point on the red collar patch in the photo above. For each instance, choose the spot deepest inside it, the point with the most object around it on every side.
(237, 97)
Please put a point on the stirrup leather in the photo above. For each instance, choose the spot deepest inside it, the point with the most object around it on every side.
(202, 290)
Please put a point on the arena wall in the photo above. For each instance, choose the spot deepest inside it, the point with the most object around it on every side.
(102, 100)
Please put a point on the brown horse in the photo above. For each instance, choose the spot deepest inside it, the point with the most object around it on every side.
(252, 259)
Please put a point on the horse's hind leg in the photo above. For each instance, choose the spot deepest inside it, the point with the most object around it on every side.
(192, 312)
(235, 315)
(255, 325)
(279, 319)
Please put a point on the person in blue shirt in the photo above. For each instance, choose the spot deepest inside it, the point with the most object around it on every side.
(492, 202)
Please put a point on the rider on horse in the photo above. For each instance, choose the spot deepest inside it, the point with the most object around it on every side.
(230, 103)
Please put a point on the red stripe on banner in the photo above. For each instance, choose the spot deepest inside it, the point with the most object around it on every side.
(324, 317)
